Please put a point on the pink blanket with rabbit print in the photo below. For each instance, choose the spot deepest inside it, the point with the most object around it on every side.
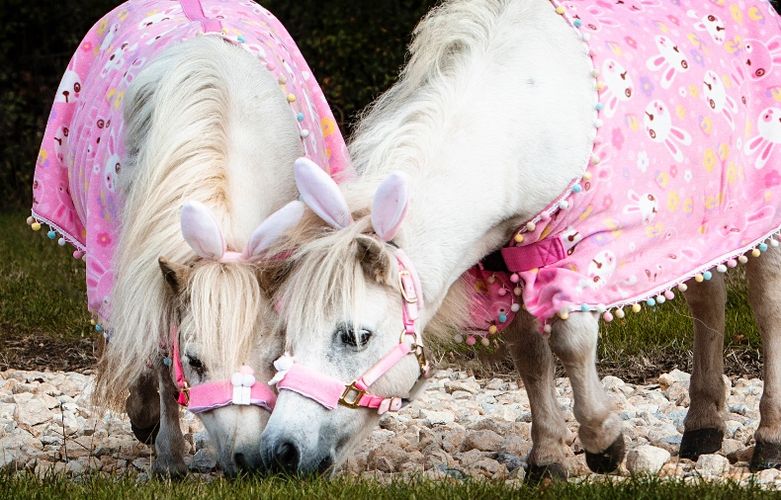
(685, 174)
(74, 191)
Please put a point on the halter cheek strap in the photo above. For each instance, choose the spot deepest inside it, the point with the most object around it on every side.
(241, 389)
(330, 392)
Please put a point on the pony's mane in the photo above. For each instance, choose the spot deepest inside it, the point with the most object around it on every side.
(401, 125)
(175, 119)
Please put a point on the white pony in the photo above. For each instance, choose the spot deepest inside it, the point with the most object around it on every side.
(488, 125)
(169, 168)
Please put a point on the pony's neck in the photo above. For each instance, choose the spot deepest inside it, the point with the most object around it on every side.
(490, 142)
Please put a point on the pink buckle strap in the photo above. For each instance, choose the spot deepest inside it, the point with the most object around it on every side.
(242, 389)
(536, 255)
(330, 392)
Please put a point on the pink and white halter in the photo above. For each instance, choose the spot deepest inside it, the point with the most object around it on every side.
(75, 188)
(684, 175)
(74, 191)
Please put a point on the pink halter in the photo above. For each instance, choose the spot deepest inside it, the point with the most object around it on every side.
(389, 207)
(203, 234)
(330, 391)
(241, 389)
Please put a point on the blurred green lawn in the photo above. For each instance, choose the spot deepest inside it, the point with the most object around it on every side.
(42, 293)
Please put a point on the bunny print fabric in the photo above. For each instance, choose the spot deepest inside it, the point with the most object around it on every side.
(684, 176)
(75, 187)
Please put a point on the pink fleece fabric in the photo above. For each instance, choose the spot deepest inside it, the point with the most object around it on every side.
(684, 174)
(75, 188)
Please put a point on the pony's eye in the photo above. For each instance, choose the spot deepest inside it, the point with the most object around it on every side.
(196, 364)
(348, 336)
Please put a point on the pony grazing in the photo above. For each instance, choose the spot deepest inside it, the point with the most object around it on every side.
(167, 163)
(607, 168)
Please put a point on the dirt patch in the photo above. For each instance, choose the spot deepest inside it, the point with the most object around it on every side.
(41, 353)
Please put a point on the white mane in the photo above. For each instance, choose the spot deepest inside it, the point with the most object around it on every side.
(194, 131)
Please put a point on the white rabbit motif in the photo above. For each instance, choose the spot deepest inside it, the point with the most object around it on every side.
(716, 95)
(670, 60)
(643, 204)
(769, 128)
(711, 24)
(659, 126)
(618, 85)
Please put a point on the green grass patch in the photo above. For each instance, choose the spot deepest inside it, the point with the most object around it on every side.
(26, 486)
(42, 293)
(42, 287)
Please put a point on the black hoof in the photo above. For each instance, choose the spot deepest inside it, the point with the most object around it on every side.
(146, 435)
(700, 442)
(608, 460)
(766, 456)
(535, 474)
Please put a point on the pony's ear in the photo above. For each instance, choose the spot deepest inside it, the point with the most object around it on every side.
(271, 229)
(320, 192)
(375, 260)
(201, 231)
(175, 275)
(390, 205)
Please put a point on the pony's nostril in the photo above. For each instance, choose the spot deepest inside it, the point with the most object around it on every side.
(325, 464)
(246, 462)
(286, 456)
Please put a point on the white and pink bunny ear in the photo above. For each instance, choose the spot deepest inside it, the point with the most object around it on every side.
(271, 229)
(390, 205)
(321, 194)
(201, 231)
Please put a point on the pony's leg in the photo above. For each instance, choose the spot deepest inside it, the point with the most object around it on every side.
(169, 445)
(534, 362)
(764, 279)
(704, 423)
(575, 342)
(143, 407)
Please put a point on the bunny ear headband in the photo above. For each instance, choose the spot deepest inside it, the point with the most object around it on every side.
(320, 192)
(202, 232)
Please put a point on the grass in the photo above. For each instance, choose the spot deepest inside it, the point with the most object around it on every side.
(42, 296)
(42, 287)
(26, 486)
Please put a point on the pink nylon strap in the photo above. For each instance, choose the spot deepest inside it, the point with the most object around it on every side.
(383, 366)
(536, 255)
(212, 395)
(209, 396)
(179, 378)
(194, 12)
(324, 389)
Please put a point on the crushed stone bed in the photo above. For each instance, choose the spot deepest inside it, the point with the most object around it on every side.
(458, 427)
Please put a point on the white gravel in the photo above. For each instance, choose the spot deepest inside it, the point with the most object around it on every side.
(459, 426)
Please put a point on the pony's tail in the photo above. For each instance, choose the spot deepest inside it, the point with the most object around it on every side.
(176, 142)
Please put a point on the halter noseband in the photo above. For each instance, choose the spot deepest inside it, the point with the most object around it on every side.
(330, 391)
(240, 389)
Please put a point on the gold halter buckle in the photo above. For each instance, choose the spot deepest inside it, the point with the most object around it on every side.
(351, 397)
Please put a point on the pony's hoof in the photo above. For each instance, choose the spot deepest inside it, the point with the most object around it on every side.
(700, 442)
(608, 460)
(535, 474)
(145, 435)
(766, 456)
(164, 469)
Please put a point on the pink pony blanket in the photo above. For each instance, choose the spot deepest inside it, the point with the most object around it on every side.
(74, 191)
(683, 180)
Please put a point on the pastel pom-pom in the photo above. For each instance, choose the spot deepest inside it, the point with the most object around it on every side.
(774, 243)
(458, 338)
(519, 238)
(492, 330)
(636, 308)
(564, 314)
(669, 295)
(515, 307)
(732, 263)
(607, 316)
(531, 226)
(515, 278)
(762, 247)
(620, 313)
(30, 220)
(502, 317)
(547, 328)
(51, 234)
(651, 301)
(721, 268)
(699, 278)
(485, 341)
(36, 226)
(471, 340)
(707, 275)
(61, 242)
(683, 287)
(742, 259)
